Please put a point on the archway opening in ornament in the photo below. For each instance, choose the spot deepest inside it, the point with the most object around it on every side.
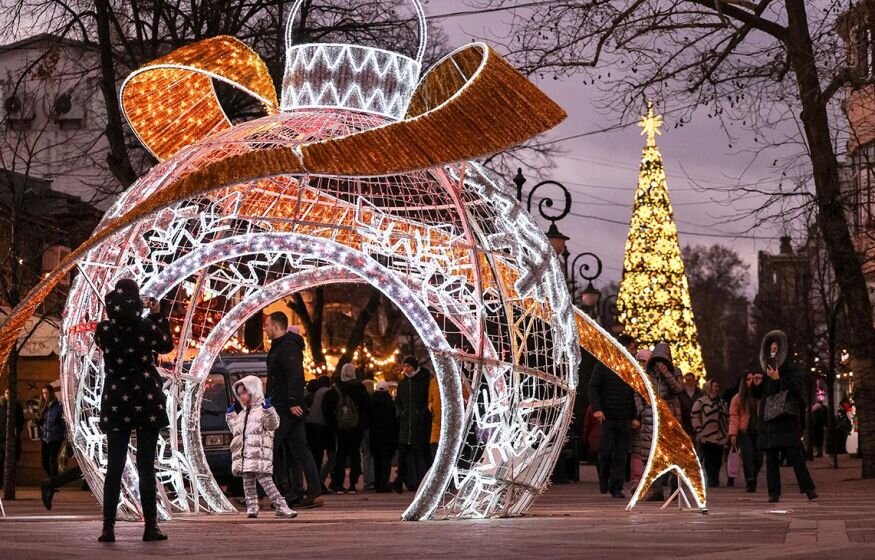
(277, 293)
(188, 480)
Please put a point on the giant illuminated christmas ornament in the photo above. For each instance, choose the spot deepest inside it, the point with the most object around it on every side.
(361, 173)
(654, 298)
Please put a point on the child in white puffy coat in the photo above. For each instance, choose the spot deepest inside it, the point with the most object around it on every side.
(252, 445)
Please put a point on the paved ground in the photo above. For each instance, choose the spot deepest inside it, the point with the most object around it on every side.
(570, 521)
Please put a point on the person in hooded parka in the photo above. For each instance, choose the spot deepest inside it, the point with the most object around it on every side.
(132, 398)
(252, 422)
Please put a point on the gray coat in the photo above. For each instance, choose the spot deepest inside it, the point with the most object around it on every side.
(642, 438)
(252, 432)
(668, 387)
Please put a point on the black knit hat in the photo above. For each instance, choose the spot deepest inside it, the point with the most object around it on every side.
(411, 361)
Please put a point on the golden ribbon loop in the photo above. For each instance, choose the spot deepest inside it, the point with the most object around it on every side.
(472, 103)
(171, 103)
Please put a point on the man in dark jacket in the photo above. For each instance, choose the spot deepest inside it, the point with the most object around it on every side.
(414, 424)
(285, 386)
(688, 398)
(613, 405)
(384, 435)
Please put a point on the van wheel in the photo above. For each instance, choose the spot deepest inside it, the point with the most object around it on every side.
(234, 486)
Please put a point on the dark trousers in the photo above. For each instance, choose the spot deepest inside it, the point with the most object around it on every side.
(613, 452)
(349, 453)
(321, 441)
(292, 454)
(751, 457)
(65, 477)
(712, 457)
(51, 450)
(796, 460)
(116, 455)
(412, 465)
(382, 470)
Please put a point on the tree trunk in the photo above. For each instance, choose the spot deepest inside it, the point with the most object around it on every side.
(833, 224)
(118, 160)
(9, 466)
(312, 321)
(358, 330)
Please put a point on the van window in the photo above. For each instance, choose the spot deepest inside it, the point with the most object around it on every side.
(214, 403)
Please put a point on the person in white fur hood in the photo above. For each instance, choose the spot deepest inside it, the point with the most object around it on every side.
(252, 422)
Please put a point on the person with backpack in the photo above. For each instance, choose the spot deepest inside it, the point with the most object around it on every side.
(347, 410)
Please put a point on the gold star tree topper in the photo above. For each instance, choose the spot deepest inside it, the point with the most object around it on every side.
(651, 125)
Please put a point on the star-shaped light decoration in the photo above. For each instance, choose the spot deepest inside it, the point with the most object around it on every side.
(651, 125)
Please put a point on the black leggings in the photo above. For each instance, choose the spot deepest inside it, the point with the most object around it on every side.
(50, 453)
(117, 454)
(712, 457)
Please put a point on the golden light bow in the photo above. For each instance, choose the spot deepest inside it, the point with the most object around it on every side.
(517, 111)
(470, 104)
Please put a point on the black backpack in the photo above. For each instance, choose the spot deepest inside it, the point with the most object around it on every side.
(346, 415)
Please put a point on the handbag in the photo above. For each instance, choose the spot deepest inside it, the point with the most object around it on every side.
(778, 405)
(733, 463)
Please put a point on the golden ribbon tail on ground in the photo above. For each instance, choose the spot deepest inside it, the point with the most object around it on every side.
(672, 449)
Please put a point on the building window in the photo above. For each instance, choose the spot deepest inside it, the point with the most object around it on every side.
(19, 110)
(52, 257)
(69, 111)
(863, 162)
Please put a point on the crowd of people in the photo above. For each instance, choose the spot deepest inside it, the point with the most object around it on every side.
(357, 425)
(731, 432)
(299, 440)
(330, 436)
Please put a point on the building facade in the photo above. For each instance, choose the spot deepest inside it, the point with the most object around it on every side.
(53, 118)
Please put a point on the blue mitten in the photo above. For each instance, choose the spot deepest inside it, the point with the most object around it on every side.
(268, 402)
(230, 409)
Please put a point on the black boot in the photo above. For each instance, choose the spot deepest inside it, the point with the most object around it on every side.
(47, 493)
(108, 533)
(152, 532)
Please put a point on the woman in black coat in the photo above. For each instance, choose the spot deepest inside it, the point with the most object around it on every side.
(132, 399)
(783, 433)
(52, 429)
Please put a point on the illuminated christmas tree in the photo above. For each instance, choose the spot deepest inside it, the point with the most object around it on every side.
(654, 297)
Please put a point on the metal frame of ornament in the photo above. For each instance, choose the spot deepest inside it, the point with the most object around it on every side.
(231, 216)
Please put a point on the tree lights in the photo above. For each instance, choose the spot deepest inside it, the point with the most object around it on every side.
(654, 298)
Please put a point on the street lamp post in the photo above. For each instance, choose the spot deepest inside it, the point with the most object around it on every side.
(589, 270)
(548, 212)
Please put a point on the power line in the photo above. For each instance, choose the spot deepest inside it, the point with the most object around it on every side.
(463, 13)
(691, 233)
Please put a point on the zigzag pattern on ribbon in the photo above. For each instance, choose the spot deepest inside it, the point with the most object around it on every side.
(349, 77)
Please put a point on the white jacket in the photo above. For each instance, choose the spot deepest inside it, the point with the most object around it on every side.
(252, 432)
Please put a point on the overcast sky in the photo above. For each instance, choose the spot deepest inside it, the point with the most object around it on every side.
(601, 169)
